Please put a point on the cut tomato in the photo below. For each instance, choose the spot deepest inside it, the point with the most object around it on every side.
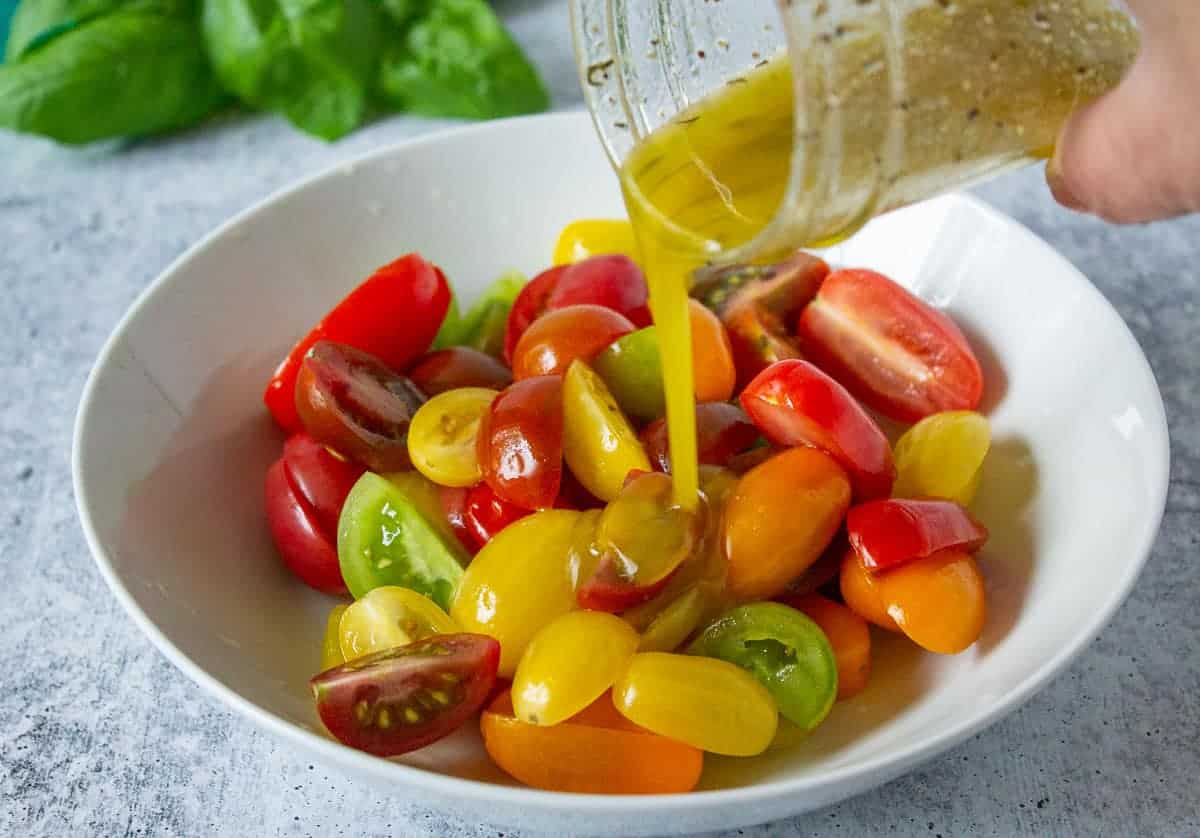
(321, 477)
(897, 353)
(304, 547)
(521, 443)
(528, 306)
(888, 533)
(393, 315)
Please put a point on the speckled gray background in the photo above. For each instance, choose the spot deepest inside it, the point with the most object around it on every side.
(99, 735)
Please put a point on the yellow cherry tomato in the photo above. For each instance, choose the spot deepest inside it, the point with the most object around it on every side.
(703, 702)
(442, 436)
(387, 617)
(571, 662)
(591, 237)
(331, 644)
(519, 582)
(942, 457)
(599, 444)
(675, 623)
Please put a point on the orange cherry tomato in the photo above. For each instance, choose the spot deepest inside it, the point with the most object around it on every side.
(848, 635)
(564, 335)
(860, 591)
(596, 751)
(780, 518)
(937, 601)
(712, 356)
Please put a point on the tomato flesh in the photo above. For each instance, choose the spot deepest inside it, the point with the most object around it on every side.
(521, 443)
(794, 403)
(893, 351)
(402, 699)
(304, 547)
(352, 402)
(394, 315)
(888, 533)
(458, 366)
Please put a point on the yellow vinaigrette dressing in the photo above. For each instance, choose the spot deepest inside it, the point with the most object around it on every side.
(958, 89)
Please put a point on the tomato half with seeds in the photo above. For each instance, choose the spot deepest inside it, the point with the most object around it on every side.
(722, 432)
(520, 444)
(305, 548)
(402, 699)
(889, 533)
(393, 315)
(893, 351)
(578, 332)
(353, 403)
(528, 307)
(458, 366)
(794, 403)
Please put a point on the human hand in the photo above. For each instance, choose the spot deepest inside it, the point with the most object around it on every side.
(1133, 155)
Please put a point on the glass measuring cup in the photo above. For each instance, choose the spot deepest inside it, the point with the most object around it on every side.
(756, 128)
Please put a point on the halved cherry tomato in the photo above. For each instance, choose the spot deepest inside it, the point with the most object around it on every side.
(519, 582)
(599, 444)
(821, 572)
(722, 432)
(887, 533)
(612, 280)
(567, 334)
(453, 500)
(794, 403)
(521, 443)
(487, 513)
(302, 544)
(443, 441)
(714, 375)
(896, 353)
(353, 403)
(393, 315)
(389, 616)
(401, 699)
(849, 636)
(571, 662)
(937, 601)
(780, 518)
(708, 703)
(632, 368)
(331, 642)
(458, 366)
(643, 536)
(942, 457)
(860, 592)
(597, 751)
(321, 477)
(758, 306)
(528, 307)
(591, 237)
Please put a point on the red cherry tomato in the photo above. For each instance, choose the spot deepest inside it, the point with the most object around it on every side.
(487, 513)
(896, 353)
(458, 366)
(321, 478)
(564, 335)
(401, 699)
(887, 533)
(520, 445)
(722, 432)
(353, 403)
(794, 403)
(610, 280)
(393, 315)
(454, 507)
(529, 306)
(302, 545)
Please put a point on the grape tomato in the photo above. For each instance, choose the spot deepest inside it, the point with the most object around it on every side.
(444, 437)
(713, 372)
(599, 444)
(320, 477)
(486, 513)
(331, 641)
(632, 368)
(848, 636)
(861, 592)
(402, 699)
(458, 366)
(553, 341)
(937, 601)
(389, 616)
(528, 307)
(723, 431)
(942, 457)
(353, 403)
(521, 443)
(303, 545)
(592, 237)
(888, 533)
(784, 650)
(612, 280)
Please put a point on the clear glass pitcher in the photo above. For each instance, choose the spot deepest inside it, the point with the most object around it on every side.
(832, 111)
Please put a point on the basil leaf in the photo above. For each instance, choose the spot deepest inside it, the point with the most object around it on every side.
(37, 22)
(311, 60)
(128, 72)
(456, 59)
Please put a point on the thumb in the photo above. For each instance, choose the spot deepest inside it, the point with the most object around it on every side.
(1129, 156)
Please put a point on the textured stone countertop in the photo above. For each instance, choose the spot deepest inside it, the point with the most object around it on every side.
(99, 735)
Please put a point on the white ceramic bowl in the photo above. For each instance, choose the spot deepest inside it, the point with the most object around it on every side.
(172, 442)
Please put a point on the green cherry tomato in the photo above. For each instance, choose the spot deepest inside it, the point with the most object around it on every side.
(784, 650)
(632, 369)
(388, 535)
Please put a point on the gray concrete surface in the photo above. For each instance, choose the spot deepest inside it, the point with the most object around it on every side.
(99, 735)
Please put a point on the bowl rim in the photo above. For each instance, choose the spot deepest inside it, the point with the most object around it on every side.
(852, 779)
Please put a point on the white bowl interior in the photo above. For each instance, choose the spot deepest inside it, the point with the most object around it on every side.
(173, 443)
